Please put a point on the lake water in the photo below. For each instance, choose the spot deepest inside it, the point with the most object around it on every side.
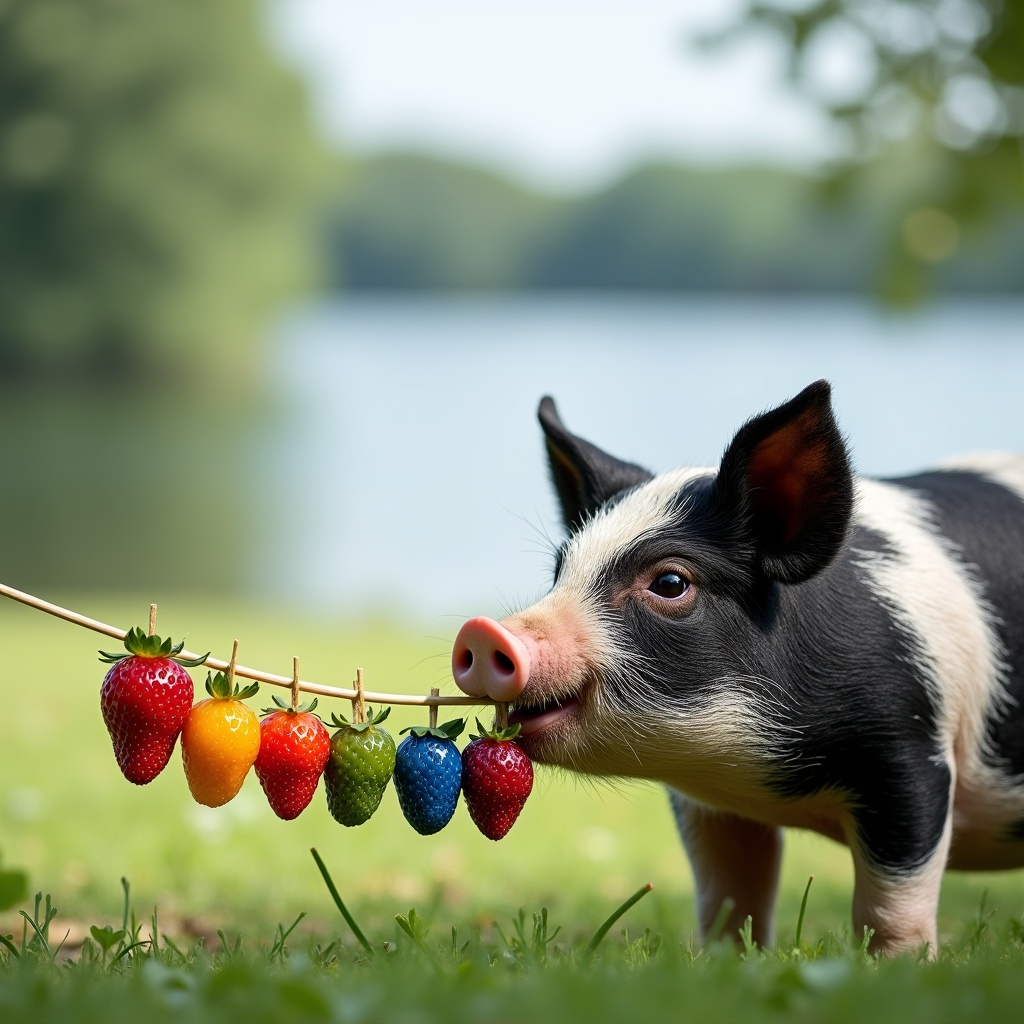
(406, 442)
(395, 464)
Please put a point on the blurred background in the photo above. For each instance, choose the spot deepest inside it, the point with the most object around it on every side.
(281, 284)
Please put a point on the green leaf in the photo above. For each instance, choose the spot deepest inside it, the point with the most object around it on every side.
(449, 731)
(217, 685)
(13, 888)
(190, 662)
(380, 716)
(510, 732)
(453, 729)
(106, 936)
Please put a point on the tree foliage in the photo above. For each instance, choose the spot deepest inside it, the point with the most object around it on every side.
(157, 179)
(938, 84)
(406, 222)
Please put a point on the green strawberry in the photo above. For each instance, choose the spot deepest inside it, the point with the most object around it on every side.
(360, 767)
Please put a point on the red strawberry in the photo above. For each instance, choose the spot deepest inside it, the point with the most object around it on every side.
(497, 777)
(145, 698)
(294, 747)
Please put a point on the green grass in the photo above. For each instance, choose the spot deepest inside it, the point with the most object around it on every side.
(68, 818)
(522, 972)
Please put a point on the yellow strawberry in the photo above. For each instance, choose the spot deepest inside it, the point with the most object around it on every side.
(219, 742)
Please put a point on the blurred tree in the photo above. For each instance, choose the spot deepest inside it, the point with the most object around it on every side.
(158, 175)
(413, 222)
(407, 222)
(935, 84)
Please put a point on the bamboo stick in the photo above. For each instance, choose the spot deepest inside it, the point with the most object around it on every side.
(412, 700)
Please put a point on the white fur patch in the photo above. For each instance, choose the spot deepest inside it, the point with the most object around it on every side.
(607, 533)
(706, 750)
(939, 601)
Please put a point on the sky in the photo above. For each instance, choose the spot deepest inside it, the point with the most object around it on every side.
(565, 94)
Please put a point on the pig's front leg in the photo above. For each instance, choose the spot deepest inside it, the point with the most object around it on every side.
(899, 903)
(732, 858)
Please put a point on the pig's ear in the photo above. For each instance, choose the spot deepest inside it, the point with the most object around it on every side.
(785, 482)
(584, 476)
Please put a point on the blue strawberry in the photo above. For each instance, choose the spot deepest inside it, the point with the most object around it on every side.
(428, 775)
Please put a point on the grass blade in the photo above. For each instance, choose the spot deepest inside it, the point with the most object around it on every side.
(413, 927)
(720, 921)
(803, 910)
(127, 949)
(340, 903)
(613, 917)
(45, 946)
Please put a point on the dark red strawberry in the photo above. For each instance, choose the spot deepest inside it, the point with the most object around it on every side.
(294, 747)
(497, 777)
(145, 698)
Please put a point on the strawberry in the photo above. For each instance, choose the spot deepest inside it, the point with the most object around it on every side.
(497, 777)
(145, 698)
(360, 767)
(220, 741)
(294, 749)
(428, 775)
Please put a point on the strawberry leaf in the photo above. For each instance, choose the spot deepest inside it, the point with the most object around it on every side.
(283, 705)
(449, 731)
(510, 732)
(376, 719)
(142, 645)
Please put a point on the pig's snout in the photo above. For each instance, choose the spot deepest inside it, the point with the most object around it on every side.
(488, 660)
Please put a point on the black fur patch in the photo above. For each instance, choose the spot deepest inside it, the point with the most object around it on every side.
(584, 476)
(845, 709)
(1015, 833)
(864, 721)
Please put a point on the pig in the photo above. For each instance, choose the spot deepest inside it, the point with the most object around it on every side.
(784, 644)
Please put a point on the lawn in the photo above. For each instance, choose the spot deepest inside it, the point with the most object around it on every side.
(70, 820)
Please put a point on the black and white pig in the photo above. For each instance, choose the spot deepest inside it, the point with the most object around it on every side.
(785, 645)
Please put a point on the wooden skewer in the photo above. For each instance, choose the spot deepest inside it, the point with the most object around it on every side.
(359, 704)
(412, 700)
(152, 619)
(232, 664)
(433, 708)
(295, 684)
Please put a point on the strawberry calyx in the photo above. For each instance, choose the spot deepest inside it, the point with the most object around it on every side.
(140, 644)
(449, 731)
(510, 732)
(373, 718)
(219, 687)
(282, 705)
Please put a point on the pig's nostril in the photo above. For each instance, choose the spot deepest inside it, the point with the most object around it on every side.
(504, 663)
(466, 660)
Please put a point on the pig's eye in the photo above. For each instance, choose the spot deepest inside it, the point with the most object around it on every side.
(669, 585)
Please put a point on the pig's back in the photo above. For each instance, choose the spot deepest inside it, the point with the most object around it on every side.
(957, 581)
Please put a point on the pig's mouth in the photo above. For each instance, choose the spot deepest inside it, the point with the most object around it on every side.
(533, 718)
